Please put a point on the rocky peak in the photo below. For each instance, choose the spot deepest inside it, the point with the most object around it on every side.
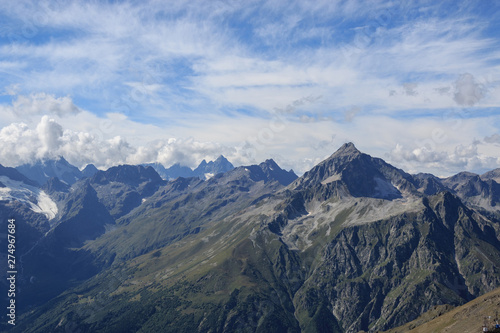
(220, 165)
(268, 171)
(127, 174)
(54, 185)
(347, 149)
(89, 170)
(461, 178)
(269, 164)
(428, 184)
(361, 174)
(492, 175)
(477, 190)
(274, 172)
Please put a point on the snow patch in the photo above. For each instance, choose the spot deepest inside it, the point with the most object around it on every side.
(208, 175)
(35, 198)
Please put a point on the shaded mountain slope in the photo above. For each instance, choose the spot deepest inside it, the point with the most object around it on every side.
(56, 261)
(184, 206)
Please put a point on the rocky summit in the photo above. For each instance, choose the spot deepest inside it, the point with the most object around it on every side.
(355, 244)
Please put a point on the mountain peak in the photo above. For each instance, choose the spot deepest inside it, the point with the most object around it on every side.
(128, 174)
(89, 170)
(206, 170)
(274, 172)
(61, 159)
(42, 170)
(347, 149)
(221, 158)
(358, 173)
(270, 163)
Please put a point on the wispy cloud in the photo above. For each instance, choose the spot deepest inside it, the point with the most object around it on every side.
(217, 72)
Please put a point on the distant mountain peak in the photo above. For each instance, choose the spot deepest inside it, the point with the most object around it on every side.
(492, 175)
(203, 171)
(89, 170)
(271, 163)
(271, 171)
(127, 174)
(61, 159)
(42, 170)
(221, 158)
(206, 170)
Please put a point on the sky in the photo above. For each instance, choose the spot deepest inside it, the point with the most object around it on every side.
(416, 83)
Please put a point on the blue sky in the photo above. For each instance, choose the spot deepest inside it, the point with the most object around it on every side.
(109, 82)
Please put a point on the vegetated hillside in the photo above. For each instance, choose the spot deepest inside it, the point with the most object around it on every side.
(468, 318)
(354, 244)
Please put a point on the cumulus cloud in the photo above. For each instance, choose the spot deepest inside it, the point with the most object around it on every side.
(41, 104)
(50, 133)
(443, 162)
(184, 151)
(20, 144)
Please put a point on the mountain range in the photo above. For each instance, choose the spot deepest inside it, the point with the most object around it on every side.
(203, 171)
(42, 170)
(352, 245)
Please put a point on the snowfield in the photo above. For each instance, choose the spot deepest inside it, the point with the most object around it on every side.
(35, 198)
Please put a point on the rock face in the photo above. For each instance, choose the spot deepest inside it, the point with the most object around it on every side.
(354, 244)
(380, 275)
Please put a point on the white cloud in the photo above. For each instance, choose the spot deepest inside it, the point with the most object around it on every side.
(40, 103)
(19, 144)
(50, 134)
(114, 53)
(213, 75)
